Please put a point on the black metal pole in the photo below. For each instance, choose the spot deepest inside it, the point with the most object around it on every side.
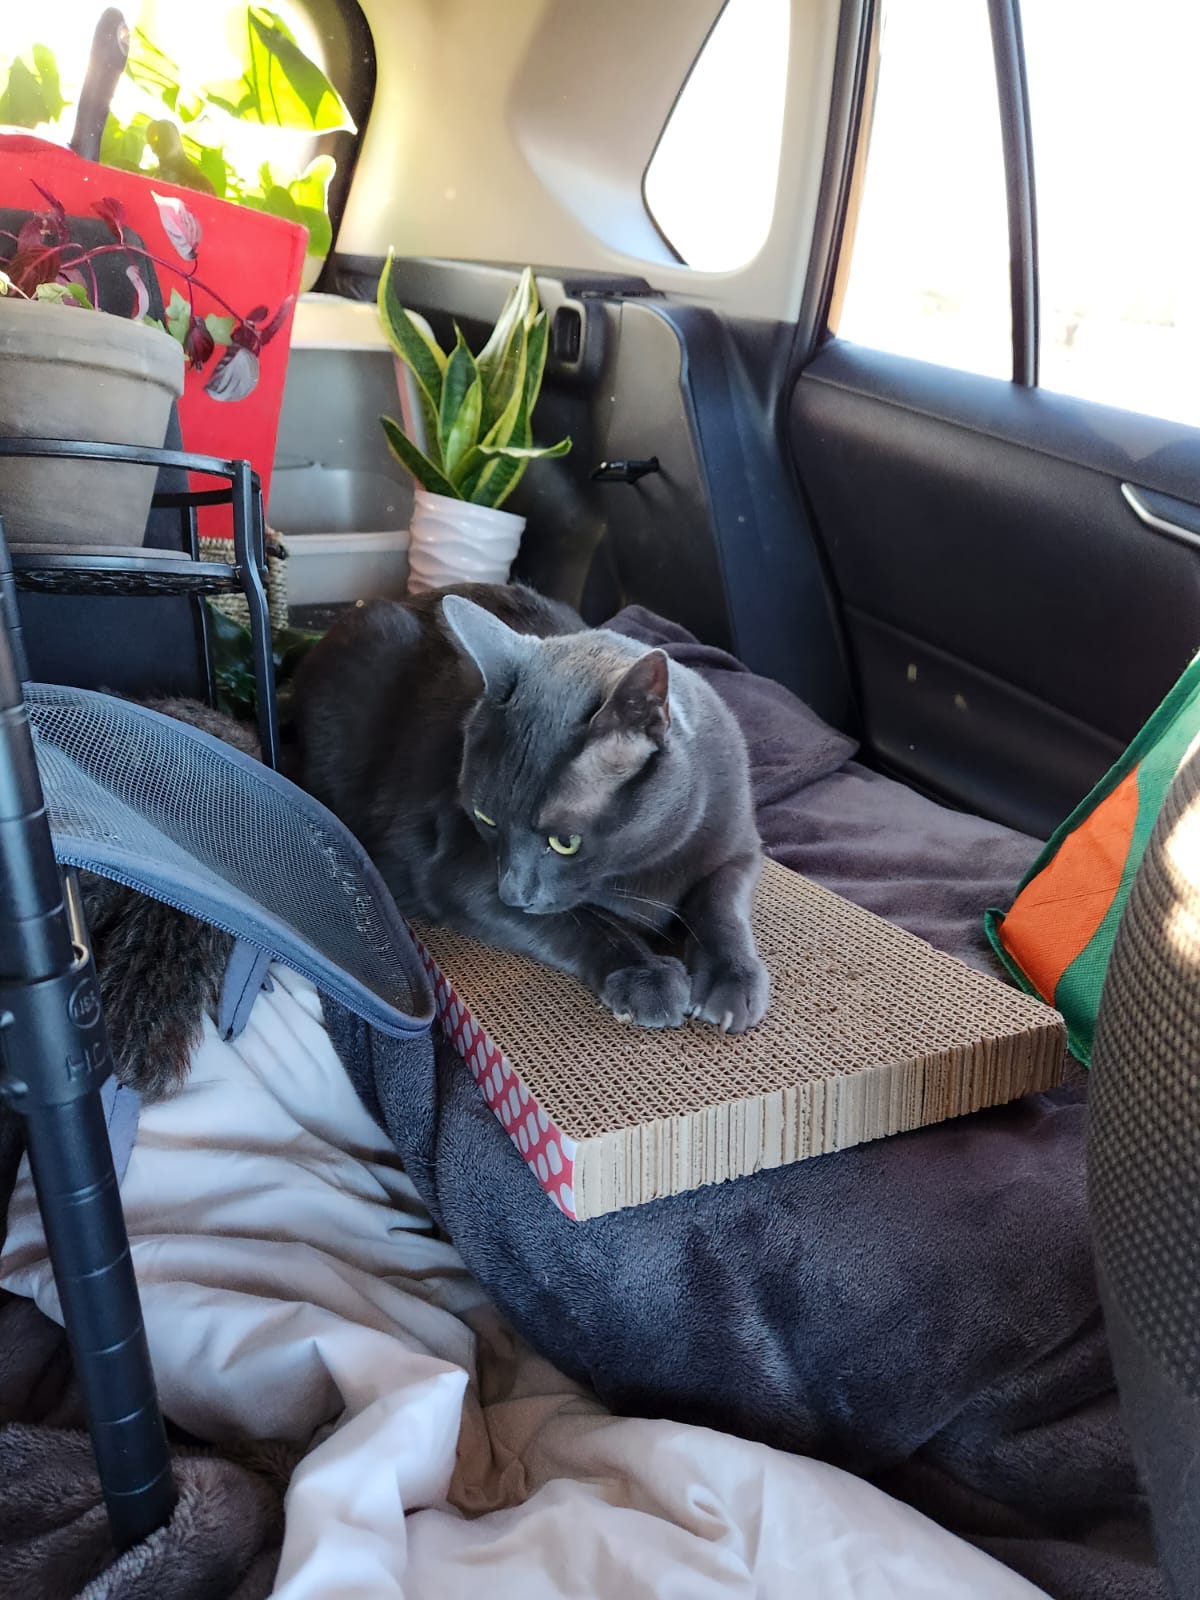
(250, 554)
(54, 1057)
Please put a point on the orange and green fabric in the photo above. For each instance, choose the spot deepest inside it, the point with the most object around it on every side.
(1057, 937)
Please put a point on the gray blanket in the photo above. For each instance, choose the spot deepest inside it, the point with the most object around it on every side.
(921, 1311)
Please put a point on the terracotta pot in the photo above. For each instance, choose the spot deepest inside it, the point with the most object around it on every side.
(67, 373)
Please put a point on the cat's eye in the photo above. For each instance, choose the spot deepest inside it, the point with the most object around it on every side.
(487, 821)
(564, 844)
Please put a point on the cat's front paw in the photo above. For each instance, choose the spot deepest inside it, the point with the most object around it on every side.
(732, 995)
(653, 994)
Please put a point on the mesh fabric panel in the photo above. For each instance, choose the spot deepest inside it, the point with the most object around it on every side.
(1144, 1142)
(139, 797)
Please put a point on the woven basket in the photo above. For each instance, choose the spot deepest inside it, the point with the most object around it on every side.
(234, 605)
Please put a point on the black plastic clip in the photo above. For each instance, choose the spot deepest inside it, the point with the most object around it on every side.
(625, 471)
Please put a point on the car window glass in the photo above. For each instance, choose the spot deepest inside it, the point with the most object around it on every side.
(710, 185)
(928, 265)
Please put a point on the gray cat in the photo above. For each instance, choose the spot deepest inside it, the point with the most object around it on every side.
(547, 788)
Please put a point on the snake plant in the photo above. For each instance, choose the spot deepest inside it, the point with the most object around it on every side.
(476, 411)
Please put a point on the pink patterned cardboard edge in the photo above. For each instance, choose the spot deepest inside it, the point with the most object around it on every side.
(548, 1151)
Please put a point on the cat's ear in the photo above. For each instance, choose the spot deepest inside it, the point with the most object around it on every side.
(492, 645)
(640, 702)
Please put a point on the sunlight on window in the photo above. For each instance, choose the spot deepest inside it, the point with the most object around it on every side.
(710, 185)
(1116, 131)
(928, 276)
(205, 46)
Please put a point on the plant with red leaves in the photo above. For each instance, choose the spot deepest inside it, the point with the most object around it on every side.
(47, 265)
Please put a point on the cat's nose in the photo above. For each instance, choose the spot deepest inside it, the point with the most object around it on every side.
(513, 892)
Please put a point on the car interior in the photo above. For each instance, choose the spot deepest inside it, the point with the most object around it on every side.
(874, 328)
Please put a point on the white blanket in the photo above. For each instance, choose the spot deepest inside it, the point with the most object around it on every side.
(293, 1287)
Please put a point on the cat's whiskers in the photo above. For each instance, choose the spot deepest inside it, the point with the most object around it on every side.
(661, 905)
(640, 917)
(578, 920)
(607, 920)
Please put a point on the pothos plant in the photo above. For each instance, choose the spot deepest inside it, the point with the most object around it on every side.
(476, 411)
(176, 129)
(46, 264)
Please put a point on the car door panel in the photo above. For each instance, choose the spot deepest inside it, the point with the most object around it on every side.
(1010, 619)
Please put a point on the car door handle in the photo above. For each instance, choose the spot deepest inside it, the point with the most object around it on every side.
(1177, 519)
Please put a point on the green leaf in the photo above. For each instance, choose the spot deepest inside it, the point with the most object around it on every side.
(513, 426)
(280, 86)
(153, 322)
(232, 96)
(503, 402)
(535, 366)
(460, 404)
(505, 377)
(158, 76)
(189, 107)
(429, 419)
(531, 452)
(464, 431)
(233, 663)
(179, 316)
(510, 427)
(416, 462)
(47, 71)
(515, 310)
(221, 328)
(60, 293)
(32, 95)
(133, 144)
(411, 339)
(498, 480)
(310, 191)
(110, 142)
(122, 147)
(282, 202)
(213, 165)
(151, 68)
(311, 188)
(278, 202)
(320, 230)
(506, 466)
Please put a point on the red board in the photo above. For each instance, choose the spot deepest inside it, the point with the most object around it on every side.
(244, 260)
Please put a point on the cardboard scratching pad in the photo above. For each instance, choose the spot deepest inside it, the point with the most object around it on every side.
(870, 1032)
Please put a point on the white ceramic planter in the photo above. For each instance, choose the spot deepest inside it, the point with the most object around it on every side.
(71, 374)
(452, 541)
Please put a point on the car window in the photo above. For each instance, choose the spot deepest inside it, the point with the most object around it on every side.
(1114, 127)
(1116, 131)
(710, 185)
(928, 263)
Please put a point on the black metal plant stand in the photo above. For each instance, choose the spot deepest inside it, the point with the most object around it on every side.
(54, 1058)
(100, 570)
(54, 1053)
